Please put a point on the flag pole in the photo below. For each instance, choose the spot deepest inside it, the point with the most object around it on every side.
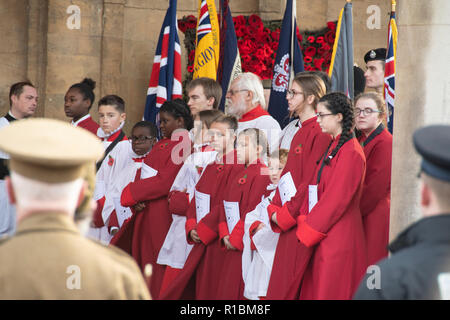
(393, 4)
(293, 36)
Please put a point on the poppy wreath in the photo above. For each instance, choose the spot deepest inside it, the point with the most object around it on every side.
(258, 44)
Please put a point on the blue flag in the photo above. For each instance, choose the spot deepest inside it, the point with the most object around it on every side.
(230, 61)
(165, 80)
(288, 62)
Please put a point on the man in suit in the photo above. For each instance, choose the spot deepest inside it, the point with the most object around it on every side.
(23, 100)
(48, 258)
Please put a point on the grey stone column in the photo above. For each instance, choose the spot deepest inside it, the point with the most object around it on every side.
(422, 97)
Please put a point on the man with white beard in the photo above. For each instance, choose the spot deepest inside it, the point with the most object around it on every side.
(245, 101)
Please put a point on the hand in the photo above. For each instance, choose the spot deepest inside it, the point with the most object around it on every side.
(139, 206)
(228, 245)
(194, 236)
(259, 227)
(274, 218)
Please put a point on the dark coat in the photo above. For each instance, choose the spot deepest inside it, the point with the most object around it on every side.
(420, 254)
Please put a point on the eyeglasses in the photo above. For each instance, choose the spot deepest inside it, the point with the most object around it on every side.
(291, 93)
(321, 115)
(135, 139)
(233, 92)
(365, 112)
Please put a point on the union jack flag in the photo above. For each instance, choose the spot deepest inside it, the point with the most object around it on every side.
(204, 24)
(389, 72)
(165, 80)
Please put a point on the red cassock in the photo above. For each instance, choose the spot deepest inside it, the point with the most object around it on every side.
(375, 200)
(89, 124)
(246, 188)
(333, 229)
(307, 147)
(143, 234)
(199, 277)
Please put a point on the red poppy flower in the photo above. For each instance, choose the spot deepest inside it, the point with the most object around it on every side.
(162, 146)
(243, 180)
(311, 39)
(319, 39)
(307, 59)
(199, 169)
(310, 52)
(191, 55)
(299, 149)
(190, 69)
(330, 36)
(182, 26)
(331, 25)
(110, 161)
(220, 167)
(239, 21)
(318, 63)
(275, 35)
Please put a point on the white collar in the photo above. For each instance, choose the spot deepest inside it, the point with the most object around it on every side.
(271, 187)
(103, 135)
(9, 112)
(135, 156)
(80, 120)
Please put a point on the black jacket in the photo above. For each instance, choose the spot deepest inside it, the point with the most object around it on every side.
(420, 254)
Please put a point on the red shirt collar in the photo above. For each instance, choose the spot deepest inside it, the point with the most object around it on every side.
(254, 114)
(114, 136)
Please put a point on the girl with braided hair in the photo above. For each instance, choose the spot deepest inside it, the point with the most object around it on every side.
(143, 234)
(330, 222)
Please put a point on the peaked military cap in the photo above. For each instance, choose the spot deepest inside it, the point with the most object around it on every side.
(433, 144)
(49, 150)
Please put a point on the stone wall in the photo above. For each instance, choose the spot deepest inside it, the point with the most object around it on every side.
(117, 40)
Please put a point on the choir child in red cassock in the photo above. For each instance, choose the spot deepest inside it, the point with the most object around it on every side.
(307, 146)
(242, 194)
(199, 277)
(370, 110)
(330, 222)
(78, 102)
(260, 242)
(143, 234)
(175, 249)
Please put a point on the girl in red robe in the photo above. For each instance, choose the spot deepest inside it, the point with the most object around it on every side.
(78, 102)
(307, 146)
(330, 222)
(370, 110)
(143, 234)
(242, 195)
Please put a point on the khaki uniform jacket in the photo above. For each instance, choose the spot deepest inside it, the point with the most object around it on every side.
(49, 259)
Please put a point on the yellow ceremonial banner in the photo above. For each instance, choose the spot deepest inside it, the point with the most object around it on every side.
(207, 45)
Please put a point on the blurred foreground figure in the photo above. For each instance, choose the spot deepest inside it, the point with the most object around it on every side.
(48, 258)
